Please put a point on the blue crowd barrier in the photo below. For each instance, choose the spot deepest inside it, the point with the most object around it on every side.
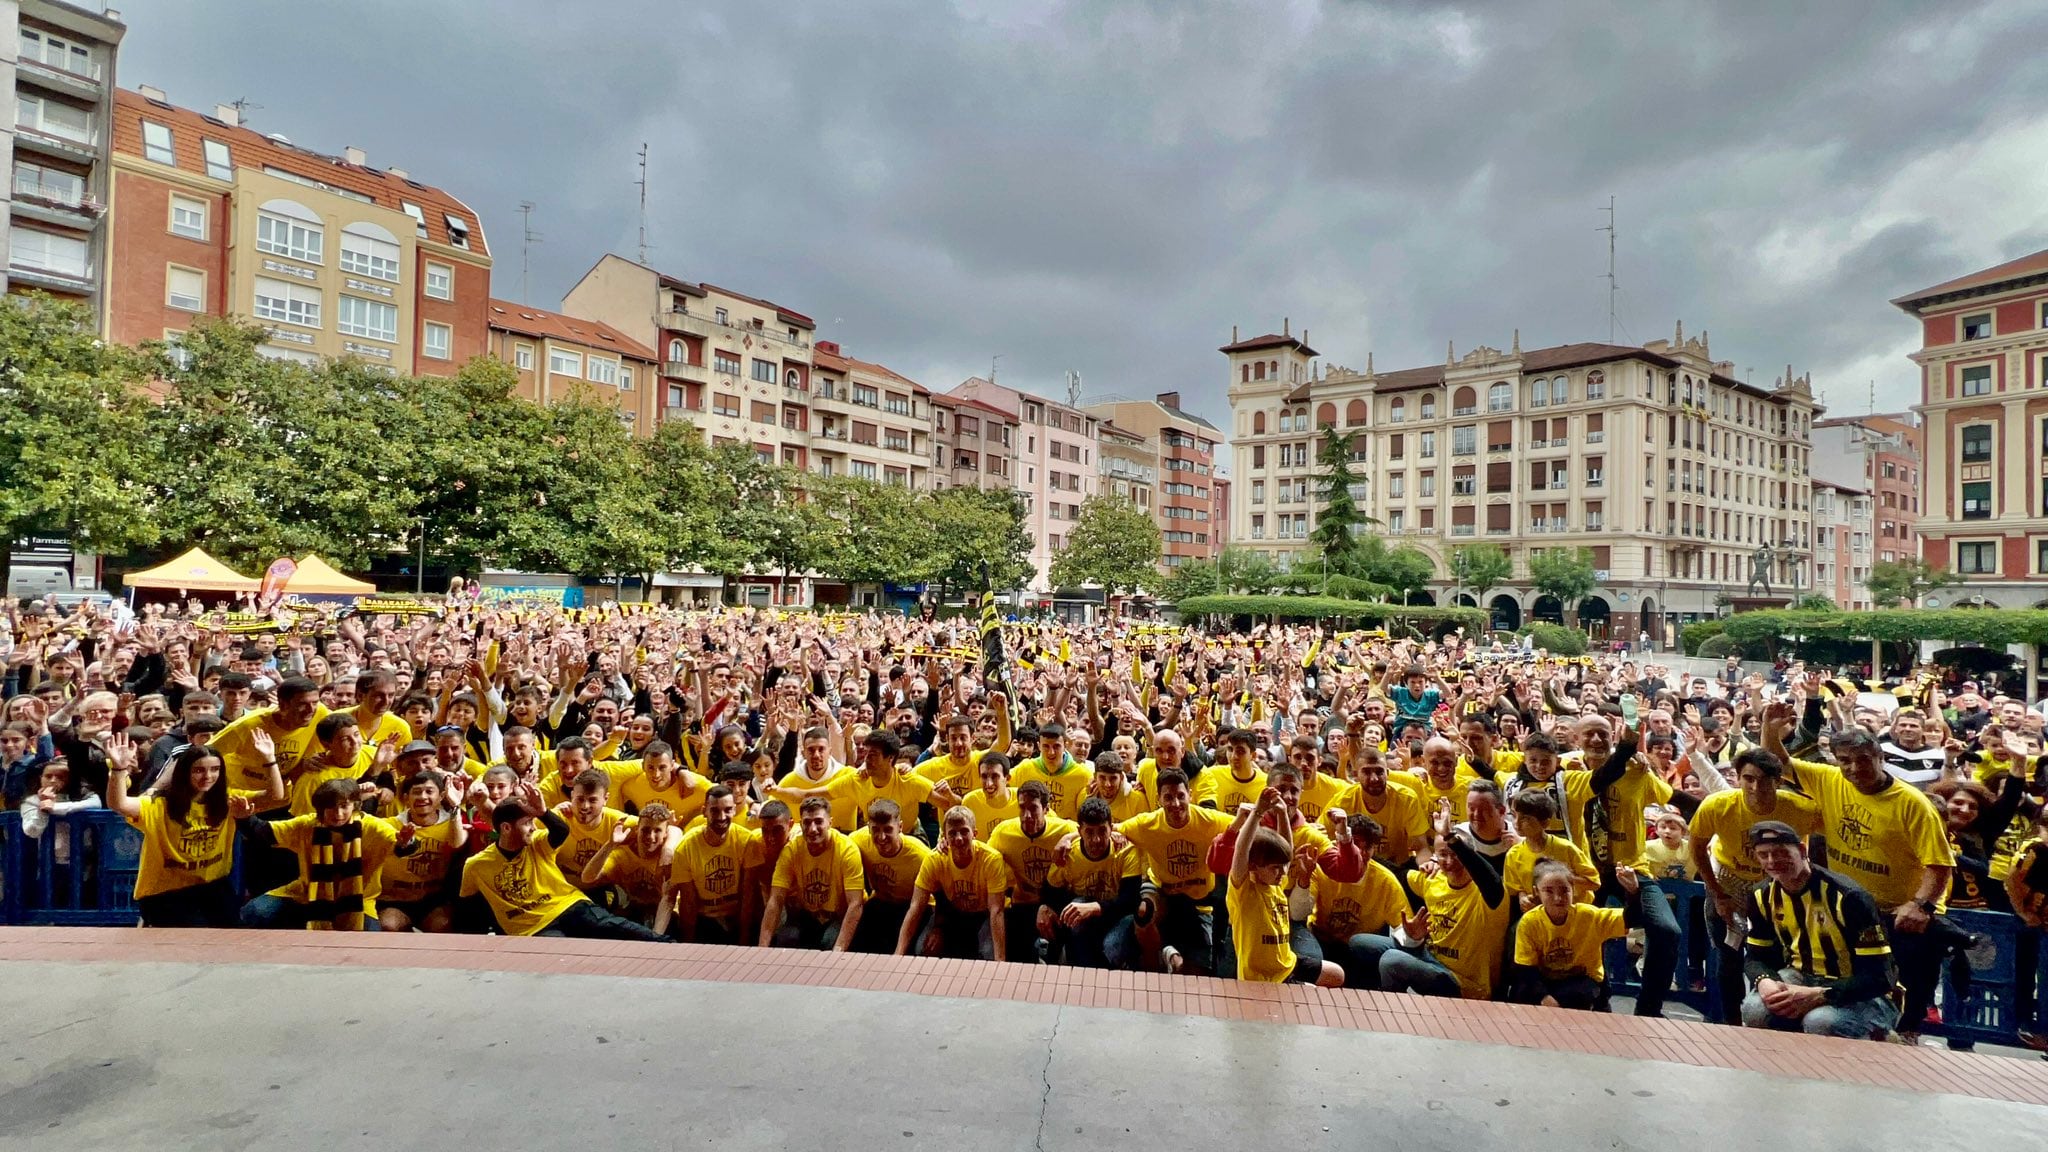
(95, 888)
(2002, 984)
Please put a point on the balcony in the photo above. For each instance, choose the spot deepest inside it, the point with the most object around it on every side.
(63, 203)
(1500, 531)
(1557, 485)
(702, 325)
(680, 412)
(1595, 526)
(1597, 436)
(86, 85)
(1467, 410)
(1461, 529)
(79, 149)
(683, 369)
(1492, 448)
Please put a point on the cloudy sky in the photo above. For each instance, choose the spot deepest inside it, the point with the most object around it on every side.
(1108, 187)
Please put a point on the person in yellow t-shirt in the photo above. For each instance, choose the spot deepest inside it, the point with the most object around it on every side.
(1175, 927)
(1356, 897)
(661, 778)
(879, 778)
(1718, 840)
(376, 691)
(1064, 777)
(955, 767)
(1026, 845)
(819, 889)
(419, 888)
(590, 819)
(815, 769)
(636, 860)
(704, 890)
(341, 856)
(964, 883)
(1321, 787)
(1240, 781)
(993, 802)
(342, 756)
(1535, 809)
(289, 726)
(1115, 789)
(1091, 894)
(1558, 945)
(1403, 820)
(1258, 903)
(188, 832)
(1668, 856)
(515, 884)
(1442, 778)
(891, 862)
(1453, 945)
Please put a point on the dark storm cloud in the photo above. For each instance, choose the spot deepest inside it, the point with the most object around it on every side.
(1109, 187)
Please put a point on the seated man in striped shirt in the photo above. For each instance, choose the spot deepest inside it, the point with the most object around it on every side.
(1816, 956)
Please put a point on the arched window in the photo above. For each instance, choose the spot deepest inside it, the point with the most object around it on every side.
(1354, 413)
(1244, 373)
(675, 352)
(793, 379)
(1397, 410)
(1560, 390)
(1258, 423)
(1464, 402)
(1500, 397)
(1286, 420)
(369, 250)
(1325, 414)
(1428, 407)
(289, 228)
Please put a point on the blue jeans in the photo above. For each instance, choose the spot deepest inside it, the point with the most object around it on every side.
(267, 911)
(1660, 945)
(1857, 1021)
(1405, 970)
(1099, 943)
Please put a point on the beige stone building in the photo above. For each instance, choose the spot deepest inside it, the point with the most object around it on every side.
(973, 444)
(1054, 467)
(1189, 502)
(556, 356)
(1130, 465)
(870, 421)
(1672, 472)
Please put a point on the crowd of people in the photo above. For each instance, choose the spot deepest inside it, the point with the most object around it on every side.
(1447, 816)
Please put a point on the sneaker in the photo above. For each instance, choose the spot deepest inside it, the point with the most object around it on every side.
(1044, 949)
(1170, 959)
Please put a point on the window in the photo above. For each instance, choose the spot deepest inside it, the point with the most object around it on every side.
(863, 469)
(287, 228)
(41, 47)
(1428, 446)
(52, 118)
(724, 405)
(522, 357)
(725, 362)
(1596, 386)
(1397, 410)
(761, 412)
(48, 252)
(435, 339)
(1977, 380)
(764, 371)
(601, 370)
(1397, 485)
(1500, 397)
(562, 363)
(1428, 408)
(458, 232)
(1977, 500)
(1539, 394)
(625, 378)
(899, 404)
(1428, 487)
(368, 250)
(185, 288)
(370, 319)
(866, 396)
(289, 303)
(218, 165)
(1977, 327)
(440, 281)
(156, 144)
(188, 218)
(1560, 390)
(419, 218)
(1464, 441)
(2040, 556)
(1977, 558)
(1976, 443)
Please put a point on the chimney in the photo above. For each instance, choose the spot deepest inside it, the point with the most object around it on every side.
(401, 173)
(1170, 399)
(355, 156)
(149, 93)
(228, 114)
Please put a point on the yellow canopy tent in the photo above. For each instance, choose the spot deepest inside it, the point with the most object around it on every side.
(195, 571)
(316, 577)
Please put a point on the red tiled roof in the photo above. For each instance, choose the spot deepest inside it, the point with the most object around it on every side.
(883, 371)
(971, 402)
(1269, 340)
(827, 360)
(2026, 266)
(249, 148)
(590, 333)
(789, 315)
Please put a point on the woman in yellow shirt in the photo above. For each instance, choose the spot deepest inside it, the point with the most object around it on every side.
(188, 832)
(1558, 946)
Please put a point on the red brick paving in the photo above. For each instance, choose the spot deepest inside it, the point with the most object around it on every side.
(1703, 1045)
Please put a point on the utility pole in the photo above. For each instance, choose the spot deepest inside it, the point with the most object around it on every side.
(1612, 287)
(527, 239)
(642, 182)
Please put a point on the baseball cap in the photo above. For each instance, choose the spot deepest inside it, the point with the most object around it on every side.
(417, 747)
(1772, 832)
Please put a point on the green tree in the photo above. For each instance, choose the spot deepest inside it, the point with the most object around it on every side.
(1407, 570)
(1339, 519)
(1480, 568)
(1114, 544)
(74, 439)
(978, 540)
(1248, 571)
(479, 463)
(1566, 573)
(1185, 580)
(879, 532)
(590, 517)
(794, 532)
(679, 466)
(1903, 582)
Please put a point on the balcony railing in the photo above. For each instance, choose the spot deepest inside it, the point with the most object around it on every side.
(1597, 436)
(1461, 529)
(67, 194)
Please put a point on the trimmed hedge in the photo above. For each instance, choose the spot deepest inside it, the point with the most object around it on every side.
(1328, 608)
(1719, 647)
(1996, 626)
(1558, 639)
(1693, 635)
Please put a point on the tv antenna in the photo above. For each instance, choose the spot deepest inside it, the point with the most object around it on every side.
(992, 362)
(1073, 389)
(1612, 287)
(527, 239)
(642, 182)
(242, 107)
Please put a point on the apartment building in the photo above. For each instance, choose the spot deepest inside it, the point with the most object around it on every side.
(1130, 465)
(211, 218)
(1187, 504)
(1880, 454)
(1983, 362)
(872, 422)
(1842, 543)
(556, 356)
(57, 65)
(1670, 470)
(1055, 464)
(973, 444)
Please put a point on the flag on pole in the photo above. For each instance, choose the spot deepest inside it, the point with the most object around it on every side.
(994, 665)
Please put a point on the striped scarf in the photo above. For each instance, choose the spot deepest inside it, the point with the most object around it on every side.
(334, 878)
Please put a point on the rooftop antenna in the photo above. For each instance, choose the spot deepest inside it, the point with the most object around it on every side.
(242, 105)
(1612, 287)
(992, 362)
(642, 182)
(1073, 389)
(527, 239)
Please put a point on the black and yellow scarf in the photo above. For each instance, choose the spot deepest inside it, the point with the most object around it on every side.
(334, 878)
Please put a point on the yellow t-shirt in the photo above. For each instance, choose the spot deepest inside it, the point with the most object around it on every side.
(843, 815)
(988, 813)
(585, 841)
(424, 874)
(1259, 932)
(1428, 793)
(1029, 857)
(238, 753)
(1570, 948)
(891, 878)
(962, 776)
(1724, 819)
(1465, 935)
(1663, 862)
(712, 871)
(1067, 788)
(525, 891)
(554, 789)
(1373, 903)
(1882, 842)
(820, 884)
(1217, 788)
(1517, 870)
(1319, 797)
(379, 837)
(1177, 859)
(389, 726)
(1400, 809)
(859, 791)
(640, 876)
(967, 890)
(684, 794)
(181, 854)
(317, 771)
(1625, 801)
(1096, 881)
(1122, 808)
